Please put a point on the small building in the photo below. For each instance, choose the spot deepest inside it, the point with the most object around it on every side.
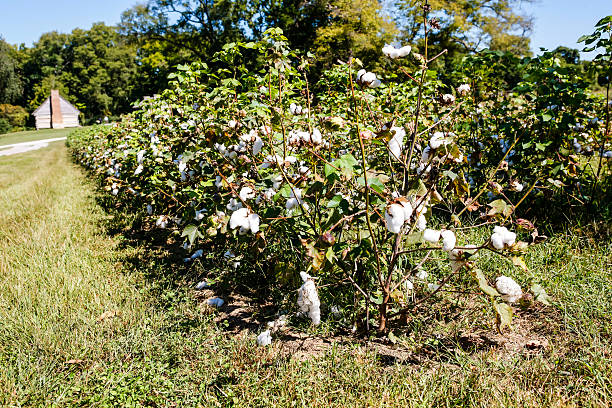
(56, 113)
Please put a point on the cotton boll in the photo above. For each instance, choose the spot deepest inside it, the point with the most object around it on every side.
(316, 136)
(240, 218)
(394, 216)
(149, 209)
(308, 299)
(162, 222)
(199, 215)
(138, 170)
(202, 285)
(264, 339)
(257, 146)
(431, 235)
(408, 285)
(433, 287)
(448, 99)
(426, 154)
(463, 89)
(497, 240)
(422, 274)
(509, 238)
(516, 186)
(395, 149)
(408, 210)
(295, 199)
(246, 193)
(254, 223)
(215, 302)
(277, 181)
(421, 223)
(508, 288)
(448, 240)
(437, 140)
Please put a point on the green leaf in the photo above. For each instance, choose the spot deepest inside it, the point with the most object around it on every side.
(484, 284)
(546, 117)
(500, 207)
(540, 295)
(191, 232)
(334, 202)
(504, 315)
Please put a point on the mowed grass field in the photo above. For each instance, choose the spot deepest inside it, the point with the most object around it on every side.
(89, 318)
(32, 135)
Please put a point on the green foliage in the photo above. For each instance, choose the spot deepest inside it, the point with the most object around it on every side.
(15, 115)
(5, 126)
(10, 81)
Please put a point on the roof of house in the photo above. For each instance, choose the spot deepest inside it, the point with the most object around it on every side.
(65, 106)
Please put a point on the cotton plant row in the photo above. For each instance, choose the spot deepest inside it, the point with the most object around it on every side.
(363, 201)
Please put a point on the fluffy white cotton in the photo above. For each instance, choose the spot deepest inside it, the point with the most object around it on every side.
(421, 223)
(197, 254)
(246, 193)
(394, 216)
(149, 209)
(278, 323)
(438, 139)
(233, 204)
(138, 170)
(316, 137)
(215, 302)
(502, 237)
(431, 235)
(497, 240)
(246, 220)
(254, 223)
(308, 299)
(393, 53)
(199, 214)
(295, 109)
(408, 210)
(257, 145)
(264, 338)
(367, 78)
(202, 285)
(516, 186)
(449, 240)
(396, 143)
(240, 218)
(162, 221)
(448, 98)
(295, 199)
(422, 274)
(508, 288)
(463, 89)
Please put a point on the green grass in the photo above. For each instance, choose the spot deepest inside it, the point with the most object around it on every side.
(64, 262)
(32, 135)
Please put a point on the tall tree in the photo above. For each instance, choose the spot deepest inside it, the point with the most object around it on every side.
(472, 24)
(11, 86)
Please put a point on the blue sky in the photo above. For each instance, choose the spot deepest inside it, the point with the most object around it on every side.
(557, 22)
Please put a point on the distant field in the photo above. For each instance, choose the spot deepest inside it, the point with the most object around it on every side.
(31, 135)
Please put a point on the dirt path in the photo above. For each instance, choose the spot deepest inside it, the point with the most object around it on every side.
(16, 148)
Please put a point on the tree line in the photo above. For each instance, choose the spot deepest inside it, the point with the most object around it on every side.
(105, 69)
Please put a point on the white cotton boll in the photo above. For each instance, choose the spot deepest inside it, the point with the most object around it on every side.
(162, 222)
(431, 235)
(233, 204)
(497, 240)
(394, 216)
(516, 186)
(395, 149)
(422, 274)
(408, 210)
(202, 285)
(360, 73)
(215, 302)
(390, 51)
(197, 254)
(232, 124)
(138, 170)
(464, 89)
(316, 137)
(278, 323)
(375, 84)
(218, 182)
(140, 156)
(426, 154)
(421, 223)
(607, 154)
(182, 166)
(257, 146)
(254, 223)
(199, 214)
(246, 193)
(509, 238)
(276, 182)
(449, 240)
(408, 285)
(404, 51)
(308, 300)
(186, 245)
(448, 98)
(508, 288)
(149, 209)
(368, 77)
(295, 199)
(264, 339)
(240, 218)
(437, 140)
(433, 287)
(229, 254)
